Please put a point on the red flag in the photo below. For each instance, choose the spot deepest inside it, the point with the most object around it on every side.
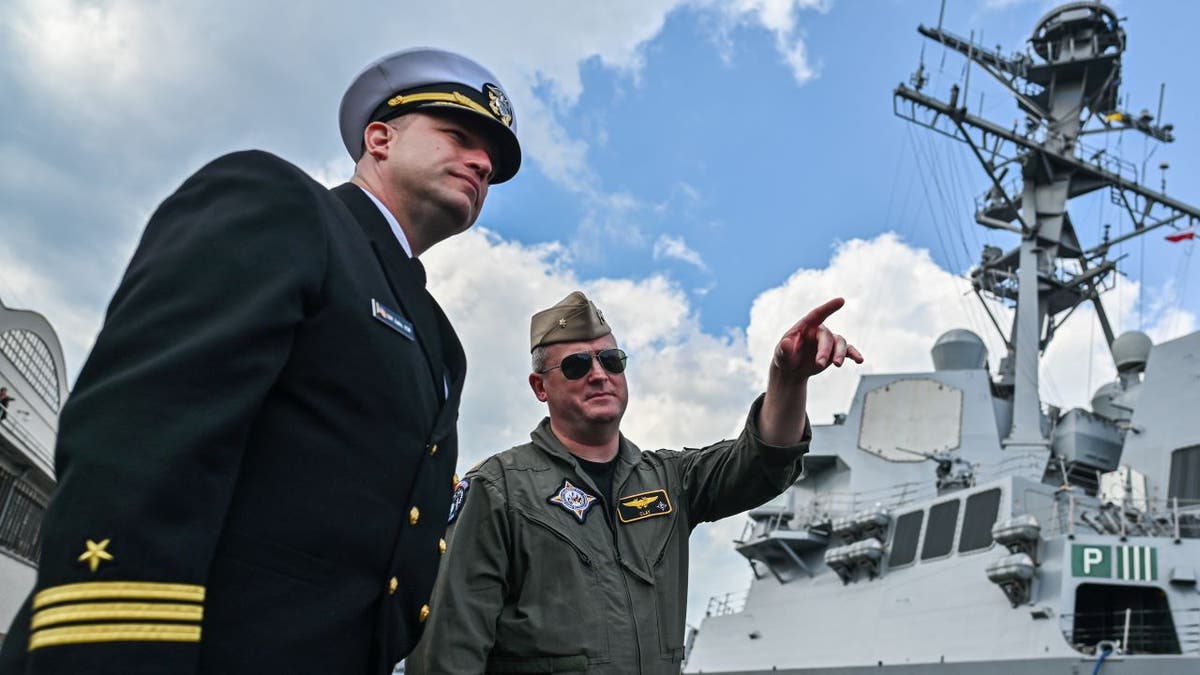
(1189, 233)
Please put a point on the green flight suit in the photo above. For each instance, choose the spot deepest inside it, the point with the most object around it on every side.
(541, 577)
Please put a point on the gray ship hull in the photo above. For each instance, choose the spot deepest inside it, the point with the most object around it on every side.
(1164, 665)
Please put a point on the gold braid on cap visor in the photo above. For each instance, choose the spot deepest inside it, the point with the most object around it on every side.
(444, 98)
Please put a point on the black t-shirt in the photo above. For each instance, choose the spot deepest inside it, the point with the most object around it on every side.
(601, 474)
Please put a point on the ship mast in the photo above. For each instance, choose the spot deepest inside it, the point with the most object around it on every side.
(1069, 91)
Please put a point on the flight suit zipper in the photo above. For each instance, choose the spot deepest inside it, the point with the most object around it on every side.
(611, 520)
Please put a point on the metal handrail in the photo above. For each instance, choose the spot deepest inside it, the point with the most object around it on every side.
(729, 603)
(1071, 515)
(19, 431)
(1184, 630)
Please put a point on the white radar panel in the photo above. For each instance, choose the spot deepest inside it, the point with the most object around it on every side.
(908, 420)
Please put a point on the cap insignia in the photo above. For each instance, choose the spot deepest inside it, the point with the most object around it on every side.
(562, 323)
(95, 554)
(573, 499)
(499, 103)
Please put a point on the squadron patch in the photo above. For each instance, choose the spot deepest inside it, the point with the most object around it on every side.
(643, 505)
(573, 499)
(457, 499)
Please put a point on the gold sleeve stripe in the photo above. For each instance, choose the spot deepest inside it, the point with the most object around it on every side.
(119, 611)
(118, 590)
(113, 632)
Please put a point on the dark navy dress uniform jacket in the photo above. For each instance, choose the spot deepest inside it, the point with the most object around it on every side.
(254, 467)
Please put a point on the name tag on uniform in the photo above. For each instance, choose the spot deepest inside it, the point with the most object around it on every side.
(392, 319)
(643, 505)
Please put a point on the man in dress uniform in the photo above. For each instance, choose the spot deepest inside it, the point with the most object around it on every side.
(257, 460)
(570, 553)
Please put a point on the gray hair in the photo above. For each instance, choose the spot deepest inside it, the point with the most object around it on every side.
(538, 358)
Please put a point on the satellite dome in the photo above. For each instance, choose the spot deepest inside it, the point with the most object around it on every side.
(1131, 350)
(959, 349)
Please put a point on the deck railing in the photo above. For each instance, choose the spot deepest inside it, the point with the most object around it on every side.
(729, 603)
(21, 433)
(1135, 631)
(1073, 514)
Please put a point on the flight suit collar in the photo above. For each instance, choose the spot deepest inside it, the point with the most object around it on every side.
(628, 456)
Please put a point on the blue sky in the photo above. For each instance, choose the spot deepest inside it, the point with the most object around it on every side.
(707, 170)
(760, 174)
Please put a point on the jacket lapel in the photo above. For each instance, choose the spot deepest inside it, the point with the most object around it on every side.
(402, 278)
(456, 366)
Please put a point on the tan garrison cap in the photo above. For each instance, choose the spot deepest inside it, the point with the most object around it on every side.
(574, 318)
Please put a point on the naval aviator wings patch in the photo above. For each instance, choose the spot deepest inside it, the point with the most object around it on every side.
(643, 505)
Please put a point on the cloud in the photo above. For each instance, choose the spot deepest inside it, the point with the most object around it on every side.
(76, 328)
(676, 248)
(781, 18)
(1000, 5)
(683, 381)
(111, 103)
(897, 302)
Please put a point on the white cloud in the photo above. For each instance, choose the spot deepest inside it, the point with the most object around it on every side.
(609, 218)
(121, 99)
(676, 248)
(125, 98)
(332, 173)
(24, 287)
(781, 18)
(132, 65)
(897, 303)
(683, 382)
(1000, 5)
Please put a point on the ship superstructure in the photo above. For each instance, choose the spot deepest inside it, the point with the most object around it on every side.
(950, 522)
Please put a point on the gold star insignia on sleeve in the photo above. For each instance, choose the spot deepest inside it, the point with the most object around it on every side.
(95, 553)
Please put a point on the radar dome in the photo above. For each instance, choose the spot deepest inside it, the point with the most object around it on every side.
(1131, 350)
(1102, 401)
(959, 349)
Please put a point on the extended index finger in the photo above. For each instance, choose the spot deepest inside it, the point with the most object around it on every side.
(817, 316)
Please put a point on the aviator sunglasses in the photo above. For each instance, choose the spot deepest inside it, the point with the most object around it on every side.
(575, 366)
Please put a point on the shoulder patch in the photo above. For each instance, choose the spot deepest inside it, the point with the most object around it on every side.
(644, 505)
(457, 499)
(573, 499)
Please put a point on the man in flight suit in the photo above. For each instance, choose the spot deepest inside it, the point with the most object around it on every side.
(569, 553)
(256, 462)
